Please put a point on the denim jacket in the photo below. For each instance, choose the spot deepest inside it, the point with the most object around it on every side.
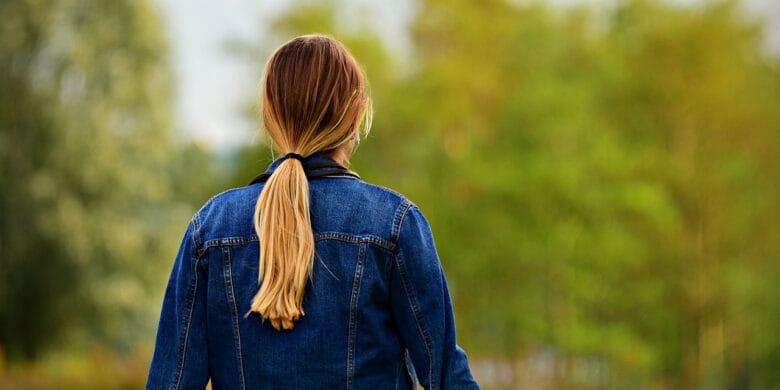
(377, 309)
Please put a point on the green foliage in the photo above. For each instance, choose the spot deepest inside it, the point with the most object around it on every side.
(85, 149)
(602, 182)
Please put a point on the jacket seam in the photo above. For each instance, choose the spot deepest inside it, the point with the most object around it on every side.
(234, 312)
(184, 338)
(352, 327)
(417, 316)
(398, 219)
(355, 239)
(226, 241)
(319, 236)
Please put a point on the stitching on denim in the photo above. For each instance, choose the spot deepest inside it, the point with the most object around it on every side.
(398, 219)
(184, 337)
(339, 236)
(415, 310)
(231, 295)
(354, 239)
(227, 241)
(352, 314)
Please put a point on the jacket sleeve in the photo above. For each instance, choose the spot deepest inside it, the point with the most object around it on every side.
(180, 359)
(422, 309)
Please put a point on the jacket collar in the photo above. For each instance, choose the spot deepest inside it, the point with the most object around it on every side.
(315, 158)
(315, 165)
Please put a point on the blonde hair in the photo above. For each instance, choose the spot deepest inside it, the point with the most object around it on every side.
(314, 100)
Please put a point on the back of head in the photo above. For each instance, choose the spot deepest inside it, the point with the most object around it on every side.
(314, 100)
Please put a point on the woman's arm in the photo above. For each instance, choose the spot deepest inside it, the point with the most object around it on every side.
(422, 308)
(180, 358)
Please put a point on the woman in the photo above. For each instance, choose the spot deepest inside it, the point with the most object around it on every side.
(309, 277)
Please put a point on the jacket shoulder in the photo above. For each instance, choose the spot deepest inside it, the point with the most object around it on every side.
(388, 194)
(226, 213)
(365, 208)
(348, 206)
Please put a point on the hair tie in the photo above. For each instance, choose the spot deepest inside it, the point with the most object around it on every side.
(293, 155)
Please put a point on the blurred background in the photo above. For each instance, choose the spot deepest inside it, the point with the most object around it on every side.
(602, 178)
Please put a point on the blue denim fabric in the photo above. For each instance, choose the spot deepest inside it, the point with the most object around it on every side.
(377, 310)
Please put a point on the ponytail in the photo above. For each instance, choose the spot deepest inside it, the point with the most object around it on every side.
(283, 225)
(314, 99)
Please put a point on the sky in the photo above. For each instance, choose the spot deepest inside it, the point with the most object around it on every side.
(213, 87)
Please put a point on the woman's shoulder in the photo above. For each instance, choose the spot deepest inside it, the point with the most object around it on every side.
(363, 207)
(229, 201)
(227, 214)
(239, 197)
(379, 197)
(342, 204)
(391, 195)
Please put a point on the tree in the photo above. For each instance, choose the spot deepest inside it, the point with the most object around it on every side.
(85, 152)
(602, 183)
